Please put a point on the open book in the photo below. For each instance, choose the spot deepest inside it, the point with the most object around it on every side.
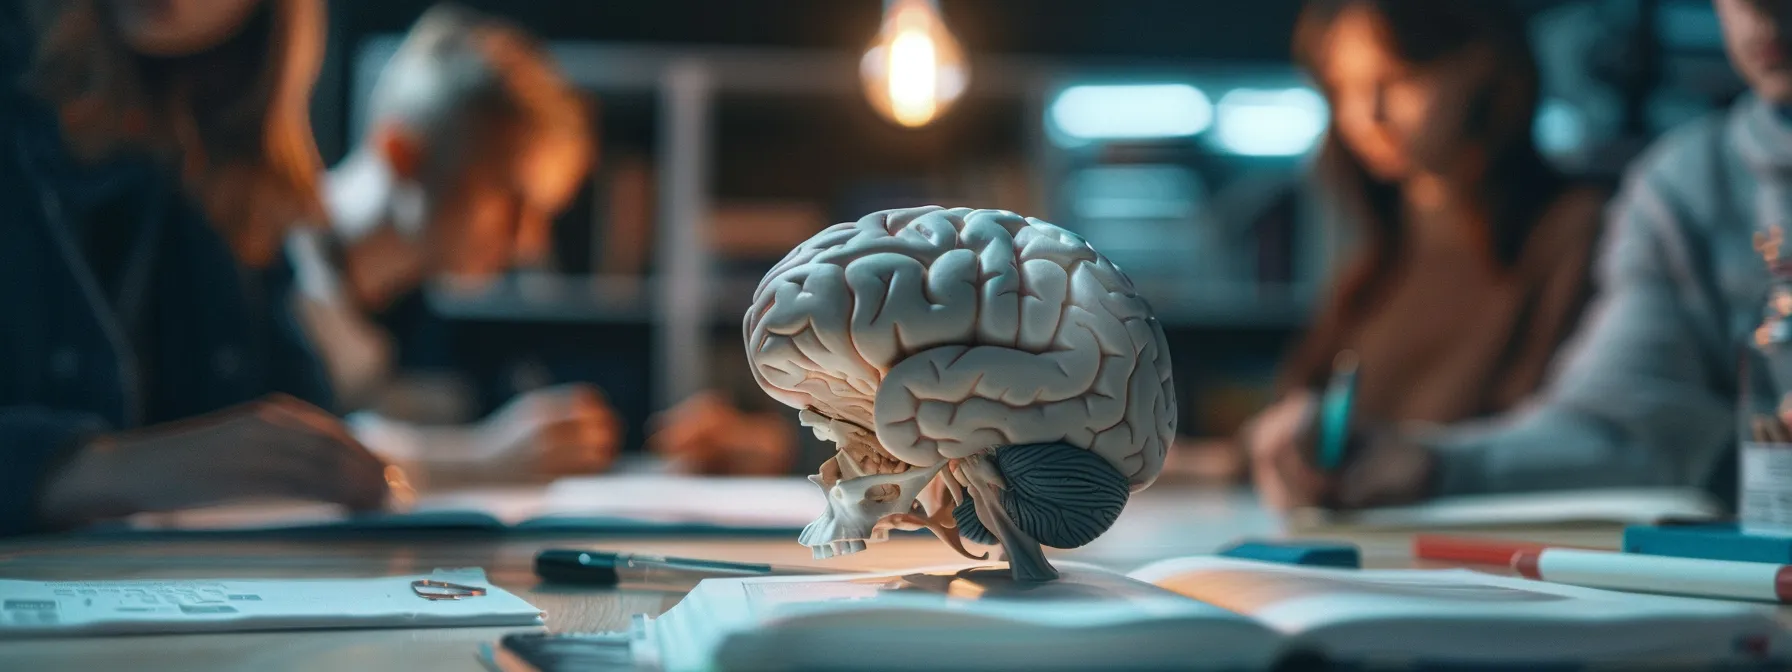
(624, 503)
(1209, 613)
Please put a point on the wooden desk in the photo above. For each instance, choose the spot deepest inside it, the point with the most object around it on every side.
(1162, 522)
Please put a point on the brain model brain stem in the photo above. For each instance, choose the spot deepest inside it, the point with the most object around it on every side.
(985, 376)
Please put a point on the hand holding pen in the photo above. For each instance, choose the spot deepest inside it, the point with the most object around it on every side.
(1334, 417)
(1316, 450)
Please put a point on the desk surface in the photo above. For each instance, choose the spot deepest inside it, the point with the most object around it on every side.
(1163, 522)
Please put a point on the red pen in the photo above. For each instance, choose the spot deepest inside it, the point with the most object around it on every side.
(1472, 550)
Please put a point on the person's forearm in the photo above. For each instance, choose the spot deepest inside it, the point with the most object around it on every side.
(1561, 446)
(36, 441)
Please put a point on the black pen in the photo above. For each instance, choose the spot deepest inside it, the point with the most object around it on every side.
(599, 568)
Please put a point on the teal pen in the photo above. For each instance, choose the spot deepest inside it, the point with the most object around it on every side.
(1335, 412)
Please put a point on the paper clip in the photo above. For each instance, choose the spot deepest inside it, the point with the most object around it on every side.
(430, 589)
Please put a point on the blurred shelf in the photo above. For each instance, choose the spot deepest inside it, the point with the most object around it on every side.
(555, 298)
(1204, 304)
(546, 297)
(1249, 312)
(1235, 314)
(570, 299)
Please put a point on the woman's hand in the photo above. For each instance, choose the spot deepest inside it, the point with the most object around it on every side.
(1277, 441)
(707, 435)
(1217, 461)
(568, 429)
(1382, 467)
(278, 446)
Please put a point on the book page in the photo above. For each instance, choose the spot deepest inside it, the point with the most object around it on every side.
(975, 616)
(1461, 614)
(1287, 598)
(1083, 595)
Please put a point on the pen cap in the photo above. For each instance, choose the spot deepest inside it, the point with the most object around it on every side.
(570, 566)
(1525, 563)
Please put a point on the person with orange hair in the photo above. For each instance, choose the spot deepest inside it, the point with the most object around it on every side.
(156, 155)
(474, 142)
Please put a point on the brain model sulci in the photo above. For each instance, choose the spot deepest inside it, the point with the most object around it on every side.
(985, 376)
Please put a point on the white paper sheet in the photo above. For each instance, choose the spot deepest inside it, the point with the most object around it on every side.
(748, 502)
(70, 608)
(1631, 506)
(594, 501)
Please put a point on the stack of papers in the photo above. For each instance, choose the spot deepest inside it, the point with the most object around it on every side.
(69, 608)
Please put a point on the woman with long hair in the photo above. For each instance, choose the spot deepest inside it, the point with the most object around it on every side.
(219, 91)
(1473, 262)
(156, 154)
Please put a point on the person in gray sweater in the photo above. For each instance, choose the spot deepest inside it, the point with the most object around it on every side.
(1644, 394)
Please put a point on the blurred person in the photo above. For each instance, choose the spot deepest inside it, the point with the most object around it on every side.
(154, 154)
(1647, 394)
(1473, 262)
(474, 144)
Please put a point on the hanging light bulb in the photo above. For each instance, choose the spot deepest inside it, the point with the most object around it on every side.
(915, 70)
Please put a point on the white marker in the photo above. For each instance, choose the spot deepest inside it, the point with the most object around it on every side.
(1722, 579)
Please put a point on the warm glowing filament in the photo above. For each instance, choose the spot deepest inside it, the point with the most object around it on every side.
(914, 76)
(915, 71)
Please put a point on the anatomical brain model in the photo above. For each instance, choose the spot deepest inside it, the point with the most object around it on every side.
(985, 376)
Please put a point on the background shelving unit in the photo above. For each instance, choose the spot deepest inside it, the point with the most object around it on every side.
(719, 126)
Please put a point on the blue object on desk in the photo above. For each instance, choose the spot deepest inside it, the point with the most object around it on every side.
(1713, 541)
(1335, 412)
(1306, 553)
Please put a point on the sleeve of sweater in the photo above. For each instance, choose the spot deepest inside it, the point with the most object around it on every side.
(1634, 401)
(36, 441)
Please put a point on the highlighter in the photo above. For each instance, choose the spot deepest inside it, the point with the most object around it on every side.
(1335, 412)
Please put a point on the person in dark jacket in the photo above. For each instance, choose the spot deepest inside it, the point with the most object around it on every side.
(145, 153)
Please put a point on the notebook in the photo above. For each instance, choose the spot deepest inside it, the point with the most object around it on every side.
(621, 503)
(89, 608)
(1204, 612)
(1618, 506)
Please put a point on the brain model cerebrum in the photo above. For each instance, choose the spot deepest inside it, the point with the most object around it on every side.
(985, 376)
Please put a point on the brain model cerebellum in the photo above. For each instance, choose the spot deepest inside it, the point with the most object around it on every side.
(985, 376)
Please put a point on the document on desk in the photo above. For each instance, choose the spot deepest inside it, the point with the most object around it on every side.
(789, 502)
(1628, 506)
(87, 608)
(618, 502)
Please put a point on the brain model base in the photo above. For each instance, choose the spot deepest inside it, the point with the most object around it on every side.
(985, 376)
